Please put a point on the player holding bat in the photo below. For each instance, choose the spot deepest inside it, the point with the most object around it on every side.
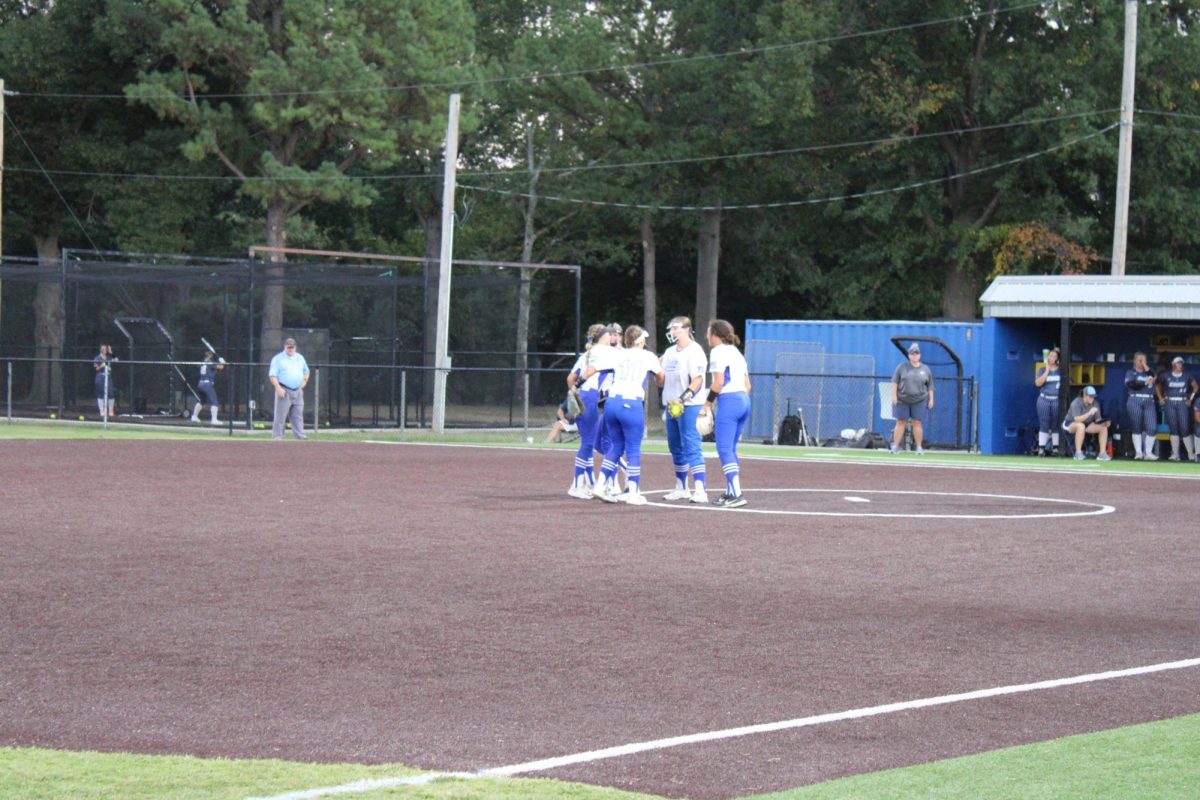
(206, 385)
(1084, 417)
(682, 382)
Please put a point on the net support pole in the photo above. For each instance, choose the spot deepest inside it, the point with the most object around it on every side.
(525, 392)
(441, 357)
(317, 399)
(1125, 149)
(403, 399)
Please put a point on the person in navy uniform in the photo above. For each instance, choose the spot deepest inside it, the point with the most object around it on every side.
(1048, 381)
(106, 387)
(1139, 405)
(206, 386)
(1175, 390)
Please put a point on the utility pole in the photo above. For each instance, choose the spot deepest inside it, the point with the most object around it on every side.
(441, 365)
(2, 113)
(1125, 151)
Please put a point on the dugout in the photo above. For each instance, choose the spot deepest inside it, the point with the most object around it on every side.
(838, 374)
(1098, 322)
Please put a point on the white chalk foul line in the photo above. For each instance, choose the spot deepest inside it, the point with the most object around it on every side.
(729, 733)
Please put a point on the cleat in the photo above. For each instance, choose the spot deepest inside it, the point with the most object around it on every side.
(1104, 457)
(1174, 457)
(195, 418)
(920, 451)
(216, 422)
(677, 494)
(699, 497)
(1137, 456)
(1079, 456)
(720, 501)
(735, 502)
(602, 492)
(1151, 457)
(580, 492)
(635, 498)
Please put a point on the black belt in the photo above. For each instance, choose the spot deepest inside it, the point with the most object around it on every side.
(292, 388)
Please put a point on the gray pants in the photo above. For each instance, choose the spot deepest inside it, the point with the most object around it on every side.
(289, 407)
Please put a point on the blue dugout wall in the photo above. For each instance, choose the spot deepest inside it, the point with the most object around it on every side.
(765, 340)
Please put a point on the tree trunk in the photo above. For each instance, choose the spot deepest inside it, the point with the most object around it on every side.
(650, 302)
(707, 265)
(46, 388)
(272, 290)
(961, 293)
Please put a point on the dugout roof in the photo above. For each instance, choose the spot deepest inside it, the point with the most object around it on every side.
(1143, 298)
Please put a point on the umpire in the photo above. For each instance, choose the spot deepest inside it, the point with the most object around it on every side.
(289, 376)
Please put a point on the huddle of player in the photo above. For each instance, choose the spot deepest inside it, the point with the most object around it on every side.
(611, 378)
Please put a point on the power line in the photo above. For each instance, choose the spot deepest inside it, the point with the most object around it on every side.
(792, 203)
(599, 166)
(534, 76)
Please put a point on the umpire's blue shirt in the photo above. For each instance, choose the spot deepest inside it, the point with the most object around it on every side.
(290, 370)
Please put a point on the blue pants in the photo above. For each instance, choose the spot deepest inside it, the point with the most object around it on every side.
(1142, 416)
(208, 393)
(683, 440)
(625, 420)
(733, 410)
(589, 424)
(1047, 412)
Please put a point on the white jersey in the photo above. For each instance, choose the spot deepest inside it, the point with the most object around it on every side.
(681, 366)
(603, 357)
(729, 362)
(632, 367)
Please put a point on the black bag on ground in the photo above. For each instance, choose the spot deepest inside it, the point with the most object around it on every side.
(789, 430)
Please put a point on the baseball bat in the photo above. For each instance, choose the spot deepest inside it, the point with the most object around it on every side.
(211, 349)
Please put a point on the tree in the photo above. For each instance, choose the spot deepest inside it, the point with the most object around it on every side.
(289, 96)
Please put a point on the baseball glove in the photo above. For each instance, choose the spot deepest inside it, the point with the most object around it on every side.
(704, 423)
(574, 404)
(675, 409)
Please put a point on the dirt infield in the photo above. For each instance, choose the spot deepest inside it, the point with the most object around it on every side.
(452, 609)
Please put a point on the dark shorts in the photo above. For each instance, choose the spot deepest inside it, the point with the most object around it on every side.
(914, 411)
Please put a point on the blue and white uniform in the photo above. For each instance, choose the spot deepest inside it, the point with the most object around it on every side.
(1139, 406)
(1047, 406)
(732, 411)
(625, 415)
(600, 356)
(681, 367)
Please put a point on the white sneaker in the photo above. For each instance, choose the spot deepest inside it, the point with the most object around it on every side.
(215, 422)
(677, 494)
(1151, 457)
(699, 497)
(580, 492)
(1079, 456)
(1174, 457)
(195, 418)
(920, 451)
(635, 498)
(602, 492)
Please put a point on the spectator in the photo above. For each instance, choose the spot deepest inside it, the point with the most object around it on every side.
(564, 424)
(912, 398)
(1084, 417)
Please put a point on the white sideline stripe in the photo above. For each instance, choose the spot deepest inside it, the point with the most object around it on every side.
(730, 733)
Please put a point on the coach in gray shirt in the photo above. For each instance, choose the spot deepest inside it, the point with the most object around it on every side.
(912, 398)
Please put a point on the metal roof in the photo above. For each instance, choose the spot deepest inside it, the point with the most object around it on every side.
(1130, 297)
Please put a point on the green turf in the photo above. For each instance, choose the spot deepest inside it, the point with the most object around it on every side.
(1154, 760)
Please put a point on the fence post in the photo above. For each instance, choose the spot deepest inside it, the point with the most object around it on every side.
(403, 399)
(316, 399)
(525, 393)
(9, 390)
(775, 409)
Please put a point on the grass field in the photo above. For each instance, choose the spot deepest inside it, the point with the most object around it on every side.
(1160, 759)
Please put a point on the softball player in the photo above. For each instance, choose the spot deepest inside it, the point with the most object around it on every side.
(625, 418)
(683, 380)
(1048, 382)
(1139, 405)
(731, 383)
(1175, 390)
(206, 386)
(105, 385)
(592, 367)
